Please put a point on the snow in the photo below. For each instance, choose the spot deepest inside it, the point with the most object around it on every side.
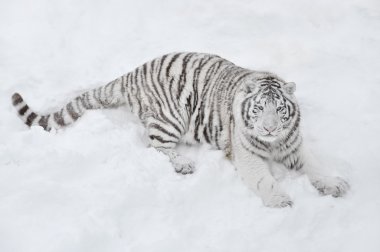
(96, 187)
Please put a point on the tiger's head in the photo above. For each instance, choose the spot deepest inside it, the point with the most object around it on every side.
(268, 108)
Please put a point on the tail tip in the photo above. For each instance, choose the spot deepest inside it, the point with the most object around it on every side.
(16, 99)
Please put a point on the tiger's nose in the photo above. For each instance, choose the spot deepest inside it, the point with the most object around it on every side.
(270, 125)
(270, 129)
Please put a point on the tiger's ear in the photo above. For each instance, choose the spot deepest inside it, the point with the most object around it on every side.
(290, 87)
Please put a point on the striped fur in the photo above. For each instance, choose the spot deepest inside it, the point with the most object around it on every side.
(186, 96)
(103, 97)
(199, 98)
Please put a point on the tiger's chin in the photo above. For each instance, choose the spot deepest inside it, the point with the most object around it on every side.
(268, 138)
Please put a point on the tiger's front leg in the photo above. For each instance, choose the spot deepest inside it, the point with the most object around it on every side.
(325, 184)
(256, 175)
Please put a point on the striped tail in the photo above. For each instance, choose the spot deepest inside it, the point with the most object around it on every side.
(108, 96)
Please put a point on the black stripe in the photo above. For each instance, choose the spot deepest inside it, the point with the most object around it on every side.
(210, 122)
(252, 152)
(175, 104)
(158, 127)
(171, 63)
(295, 164)
(82, 100)
(201, 111)
(72, 112)
(137, 95)
(293, 129)
(197, 124)
(156, 93)
(217, 132)
(168, 103)
(259, 182)
(256, 144)
(116, 81)
(86, 101)
(287, 145)
(244, 111)
(128, 89)
(147, 91)
(299, 164)
(23, 110)
(169, 121)
(161, 64)
(218, 97)
(196, 75)
(183, 76)
(124, 83)
(102, 99)
(43, 122)
(240, 78)
(107, 92)
(283, 159)
(30, 119)
(16, 99)
(81, 108)
(58, 118)
(97, 98)
(152, 97)
(160, 139)
(159, 99)
(163, 98)
(205, 134)
(188, 105)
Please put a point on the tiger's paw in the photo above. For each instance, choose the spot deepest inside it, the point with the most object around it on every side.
(183, 165)
(334, 186)
(278, 200)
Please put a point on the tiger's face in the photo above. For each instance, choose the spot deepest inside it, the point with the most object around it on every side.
(269, 108)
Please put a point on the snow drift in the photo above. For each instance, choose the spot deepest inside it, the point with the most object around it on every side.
(96, 187)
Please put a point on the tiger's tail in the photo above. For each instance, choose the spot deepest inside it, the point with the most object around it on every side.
(108, 96)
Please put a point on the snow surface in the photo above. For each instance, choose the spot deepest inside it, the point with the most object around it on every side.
(96, 187)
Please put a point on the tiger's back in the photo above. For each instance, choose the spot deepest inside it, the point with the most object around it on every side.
(185, 96)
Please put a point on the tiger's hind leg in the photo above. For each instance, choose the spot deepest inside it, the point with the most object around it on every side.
(165, 138)
(180, 163)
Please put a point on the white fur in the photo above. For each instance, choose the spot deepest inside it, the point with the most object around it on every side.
(255, 171)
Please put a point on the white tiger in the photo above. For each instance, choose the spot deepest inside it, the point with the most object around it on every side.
(252, 116)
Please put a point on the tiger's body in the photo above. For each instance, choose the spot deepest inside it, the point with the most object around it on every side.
(192, 97)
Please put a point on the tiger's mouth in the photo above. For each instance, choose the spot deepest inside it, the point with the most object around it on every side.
(268, 137)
